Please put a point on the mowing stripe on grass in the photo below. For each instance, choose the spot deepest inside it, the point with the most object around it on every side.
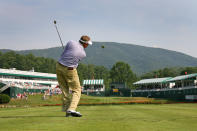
(137, 117)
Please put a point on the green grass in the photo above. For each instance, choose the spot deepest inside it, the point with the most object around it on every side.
(37, 100)
(135, 117)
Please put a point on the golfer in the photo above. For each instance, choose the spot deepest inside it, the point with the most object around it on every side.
(67, 75)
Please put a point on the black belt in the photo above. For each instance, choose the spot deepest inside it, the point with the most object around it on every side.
(69, 68)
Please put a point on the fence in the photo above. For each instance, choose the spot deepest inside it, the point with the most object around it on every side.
(176, 94)
(124, 92)
(13, 91)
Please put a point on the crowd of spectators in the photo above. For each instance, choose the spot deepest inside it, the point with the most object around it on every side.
(22, 96)
(51, 92)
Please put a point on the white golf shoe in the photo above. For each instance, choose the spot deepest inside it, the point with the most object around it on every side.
(71, 113)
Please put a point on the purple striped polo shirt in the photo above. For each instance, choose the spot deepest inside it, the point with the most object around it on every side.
(72, 54)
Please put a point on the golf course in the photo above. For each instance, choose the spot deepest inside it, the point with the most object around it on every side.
(30, 116)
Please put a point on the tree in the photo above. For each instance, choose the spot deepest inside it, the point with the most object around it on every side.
(91, 69)
(82, 72)
(189, 70)
(166, 72)
(100, 72)
(1, 59)
(9, 60)
(27, 62)
(122, 73)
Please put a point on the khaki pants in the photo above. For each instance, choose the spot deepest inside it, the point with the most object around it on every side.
(68, 80)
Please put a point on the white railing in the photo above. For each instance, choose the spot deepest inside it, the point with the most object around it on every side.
(16, 72)
(166, 89)
(4, 88)
(28, 84)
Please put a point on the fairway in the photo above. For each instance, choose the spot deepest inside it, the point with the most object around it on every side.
(134, 117)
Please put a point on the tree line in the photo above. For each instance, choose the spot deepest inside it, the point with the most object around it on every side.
(119, 73)
(169, 72)
(26, 62)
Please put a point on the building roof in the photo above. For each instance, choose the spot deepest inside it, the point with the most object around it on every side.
(152, 81)
(93, 82)
(14, 72)
(183, 77)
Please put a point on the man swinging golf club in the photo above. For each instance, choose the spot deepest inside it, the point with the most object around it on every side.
(67, 75)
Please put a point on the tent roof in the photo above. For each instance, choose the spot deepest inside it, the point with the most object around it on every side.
(152, 81)
(183, 77)
(14, 72)
(93, 82)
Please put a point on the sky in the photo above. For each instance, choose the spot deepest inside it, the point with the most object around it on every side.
(168, 24)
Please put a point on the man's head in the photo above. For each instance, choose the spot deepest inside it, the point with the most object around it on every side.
(85, 41)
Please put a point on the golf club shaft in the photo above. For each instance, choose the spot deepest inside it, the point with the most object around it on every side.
(59, 36)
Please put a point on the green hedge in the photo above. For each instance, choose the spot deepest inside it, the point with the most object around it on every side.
(168, 94)
(4, 98)
(124, 92)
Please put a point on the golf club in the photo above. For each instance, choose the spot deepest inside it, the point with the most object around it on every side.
(58, 33)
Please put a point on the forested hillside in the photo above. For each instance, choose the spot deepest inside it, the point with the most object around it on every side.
(141, 59)
(40, 64)
(120, 72)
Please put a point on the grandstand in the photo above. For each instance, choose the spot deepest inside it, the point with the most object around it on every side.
(14, 81)
(182, 87)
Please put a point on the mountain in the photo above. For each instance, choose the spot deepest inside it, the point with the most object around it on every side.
(5, 50)
(141, 59)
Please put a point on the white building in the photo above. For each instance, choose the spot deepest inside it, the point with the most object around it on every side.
(26, 79)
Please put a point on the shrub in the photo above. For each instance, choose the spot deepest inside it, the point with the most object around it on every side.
(108, 92)
(4, 98)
